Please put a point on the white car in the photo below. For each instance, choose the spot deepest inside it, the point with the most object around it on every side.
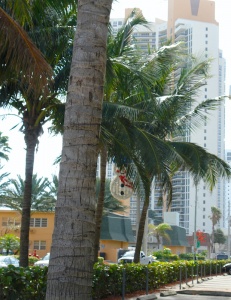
(44, 262)
(128, 257)
(6, 260)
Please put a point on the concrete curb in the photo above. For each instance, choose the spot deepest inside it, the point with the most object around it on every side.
(206, 293)
(147, 297)
(168, 293)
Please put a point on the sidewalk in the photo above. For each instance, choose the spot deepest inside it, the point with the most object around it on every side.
(215, 286)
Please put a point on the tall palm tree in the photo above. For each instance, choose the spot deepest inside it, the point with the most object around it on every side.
(42, 198)
(215, 218)
(36, 105)
(150, 127)
(4, 147)
(75, 209)
(4, 150)
(159, 231)
(119, 48)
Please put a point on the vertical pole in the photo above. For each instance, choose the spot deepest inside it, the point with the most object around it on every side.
(197, 272)
(228, 230)
(195, 223)
(180, 276)
(192, 273)
(123, 285)
(146, 281)
(186, 274)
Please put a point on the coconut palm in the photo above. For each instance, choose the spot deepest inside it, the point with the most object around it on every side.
(119, 48)
(9, 242)
(42, 199)
(75, 209)
(149, 127)
(4, 147)
(36, 106)
(75, 205)
(215, 218)
(159, 231)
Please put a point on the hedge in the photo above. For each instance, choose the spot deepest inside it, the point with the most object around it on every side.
(30, 283)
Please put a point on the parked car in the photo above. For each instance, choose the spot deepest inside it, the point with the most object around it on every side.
(227, 268)
(6, 260)
(44, 262)
(222, 256)
(128, 257)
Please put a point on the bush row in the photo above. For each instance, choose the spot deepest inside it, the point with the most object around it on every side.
(108, 279)
(30, 283)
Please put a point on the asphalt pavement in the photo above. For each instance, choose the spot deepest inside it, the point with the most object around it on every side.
(208, 288)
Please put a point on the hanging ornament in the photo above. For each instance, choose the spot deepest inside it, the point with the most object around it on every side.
(121, 188)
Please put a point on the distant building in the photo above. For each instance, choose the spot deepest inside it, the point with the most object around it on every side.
(192, 22)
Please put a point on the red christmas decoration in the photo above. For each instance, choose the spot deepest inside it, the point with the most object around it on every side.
(123, 178)
(200, 236)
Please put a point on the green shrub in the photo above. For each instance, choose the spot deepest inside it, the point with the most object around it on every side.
(165, 255)
(23, 283)
(190, 256)
(30, 283)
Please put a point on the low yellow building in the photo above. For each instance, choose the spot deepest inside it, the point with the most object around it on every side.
(41, 229)
(116, 232)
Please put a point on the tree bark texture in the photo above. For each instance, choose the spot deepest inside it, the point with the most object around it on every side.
(72, 253)
(31, 139)
(141, 229)
(100, 203)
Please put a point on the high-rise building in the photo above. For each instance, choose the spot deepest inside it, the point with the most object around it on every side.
(193, 22)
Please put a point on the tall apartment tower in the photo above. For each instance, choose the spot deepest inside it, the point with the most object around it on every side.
(193, 22)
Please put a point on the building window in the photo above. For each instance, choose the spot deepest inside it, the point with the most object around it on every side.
(38, 222)
(10, 222)
(205, 138)
(204, 145)
(40, 245)
(203, 216)
(204, 209)
(203, 223)
(206, 28)
(204, 202)
(203, 194)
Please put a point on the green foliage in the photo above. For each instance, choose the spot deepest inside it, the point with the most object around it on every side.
(219, 236)
(23, 283)
(165, 255)
(190, 256)
(107, 280)
(100, 260)
(30, 283)
(32, 260)
(9, 242)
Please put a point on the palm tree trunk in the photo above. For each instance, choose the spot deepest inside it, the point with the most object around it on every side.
(70, 270)
(31, 141)
(100, 203)
(141, 228)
